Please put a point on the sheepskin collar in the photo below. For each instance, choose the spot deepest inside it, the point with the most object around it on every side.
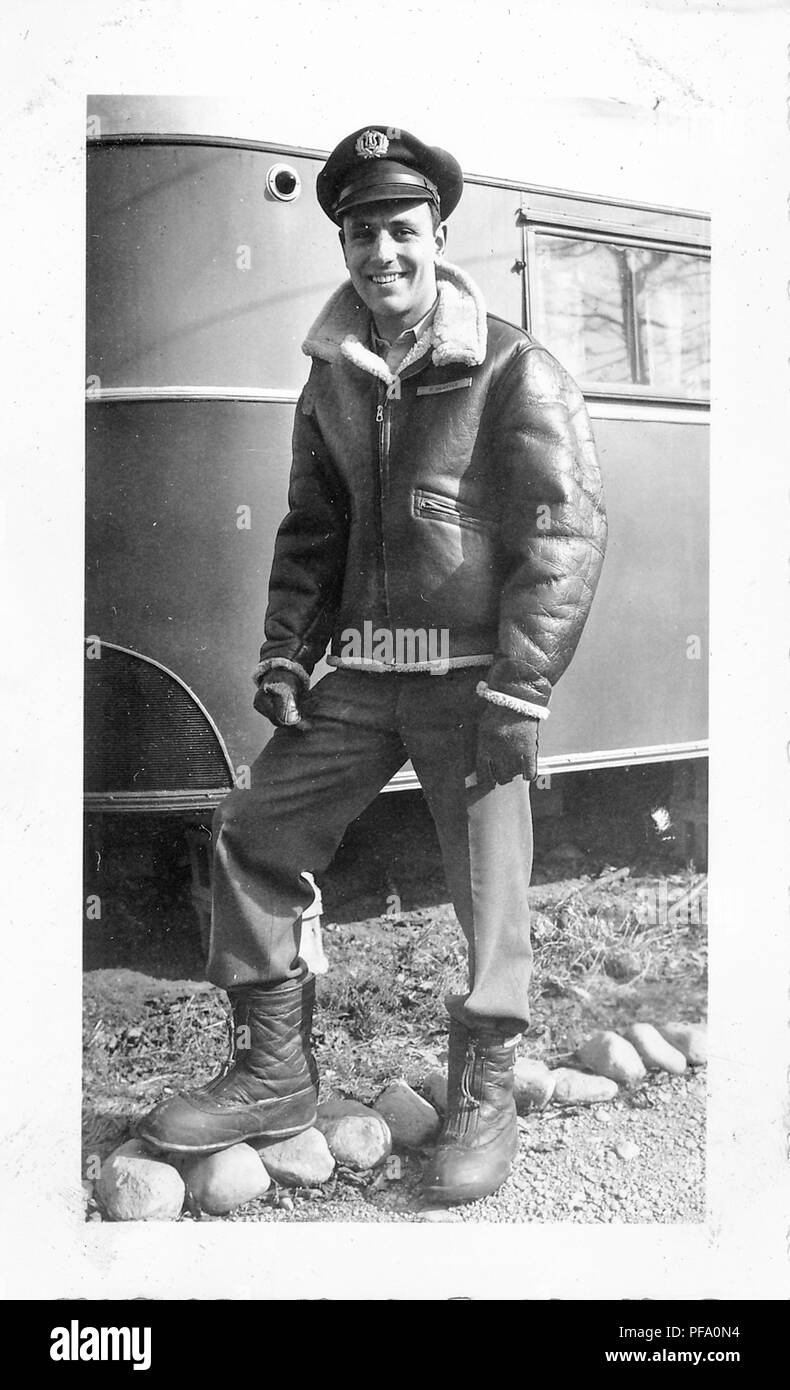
(456, 334)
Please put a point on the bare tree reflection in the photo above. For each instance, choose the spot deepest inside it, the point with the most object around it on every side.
(625, 314)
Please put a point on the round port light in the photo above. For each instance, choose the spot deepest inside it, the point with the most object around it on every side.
(283, 183)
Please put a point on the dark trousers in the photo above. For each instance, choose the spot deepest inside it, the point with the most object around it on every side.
(313, 778)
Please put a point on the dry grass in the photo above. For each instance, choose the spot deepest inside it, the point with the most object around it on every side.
(600, 958)
(380, 1015)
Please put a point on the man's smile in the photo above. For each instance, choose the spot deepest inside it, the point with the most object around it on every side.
(390, 250)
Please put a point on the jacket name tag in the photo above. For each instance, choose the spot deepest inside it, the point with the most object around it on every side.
(444, 386)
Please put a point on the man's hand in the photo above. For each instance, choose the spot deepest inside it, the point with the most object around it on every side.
(507, 745)
(277, 696)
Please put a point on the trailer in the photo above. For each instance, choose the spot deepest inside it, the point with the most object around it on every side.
(208, 258)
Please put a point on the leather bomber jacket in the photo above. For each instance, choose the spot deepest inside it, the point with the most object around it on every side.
(463, 495)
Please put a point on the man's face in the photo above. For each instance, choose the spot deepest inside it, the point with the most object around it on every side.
(390, 250)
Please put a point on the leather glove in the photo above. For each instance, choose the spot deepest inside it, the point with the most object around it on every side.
(507, 745)
(277, 696)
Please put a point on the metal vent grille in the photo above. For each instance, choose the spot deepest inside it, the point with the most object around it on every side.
(145, 732)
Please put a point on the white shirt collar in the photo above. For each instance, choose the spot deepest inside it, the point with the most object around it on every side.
(409, 336)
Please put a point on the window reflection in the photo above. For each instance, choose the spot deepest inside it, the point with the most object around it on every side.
(625, 315)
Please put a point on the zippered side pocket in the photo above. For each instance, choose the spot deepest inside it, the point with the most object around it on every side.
(432, 506)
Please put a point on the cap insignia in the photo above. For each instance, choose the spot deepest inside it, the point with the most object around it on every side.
(372, 144)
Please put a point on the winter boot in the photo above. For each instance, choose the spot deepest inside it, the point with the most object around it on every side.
(267, 1089)
(479, 1139)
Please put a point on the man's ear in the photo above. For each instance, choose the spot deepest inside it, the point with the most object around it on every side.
(342, 241)
(440, 237)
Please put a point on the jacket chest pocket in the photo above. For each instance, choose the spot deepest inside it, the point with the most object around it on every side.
(432, 506)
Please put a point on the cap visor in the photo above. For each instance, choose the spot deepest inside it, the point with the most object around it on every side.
(385, 193)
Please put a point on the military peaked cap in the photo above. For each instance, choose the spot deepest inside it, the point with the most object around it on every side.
(382, 163)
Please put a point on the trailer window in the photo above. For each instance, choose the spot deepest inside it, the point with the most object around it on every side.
(624, 317)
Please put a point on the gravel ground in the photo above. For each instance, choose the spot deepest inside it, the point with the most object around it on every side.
(568, 1168)
(600, 962)
(638, 1158)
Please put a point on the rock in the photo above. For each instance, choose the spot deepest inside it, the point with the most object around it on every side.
(358, 1142)
(622, 964)
(626, 1149)
(607, 1054)
(412, 1121)
(436, 1086)
(360, 1145)
(656, 1053)
(303, 1161)
(579, 1088)
(135, 1185)
(219, 1182)
(533, 1085)
(439, 1214)
(689, 1038)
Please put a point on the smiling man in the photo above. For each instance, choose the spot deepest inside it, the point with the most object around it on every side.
(391, 253)
(444, 481)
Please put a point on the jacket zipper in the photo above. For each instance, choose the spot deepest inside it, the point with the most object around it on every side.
(383, 422)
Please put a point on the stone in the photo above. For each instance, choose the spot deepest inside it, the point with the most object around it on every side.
(358, 1146)
(579, 1088)
(607, 1054)
(656, 1053)
(219, 1182)
(358, 1142)
(302, 1161)
(626, 1149)
(412, 1121)
(136, 1185)
(439, 1214)
(622, 964)
(533, 1085)
(436, 1087)
(689, 1038)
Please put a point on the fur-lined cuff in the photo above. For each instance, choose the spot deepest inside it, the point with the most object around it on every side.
(495, 697)
(269, 665)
